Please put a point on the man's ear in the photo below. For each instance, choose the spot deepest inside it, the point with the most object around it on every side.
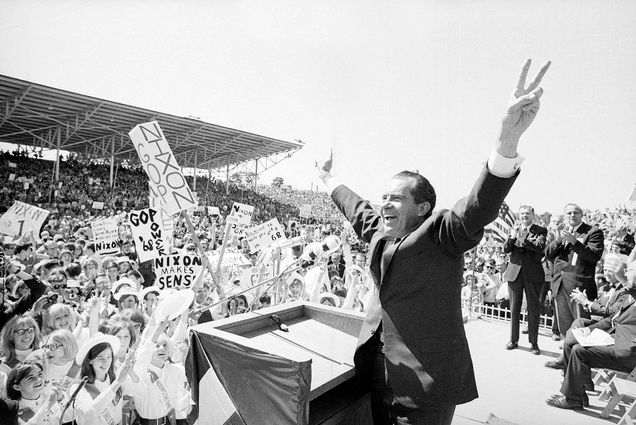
(423, 208)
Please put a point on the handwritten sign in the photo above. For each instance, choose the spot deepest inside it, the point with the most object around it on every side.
(305, 211)
(177, 271)
(230, 259)
(166, 179)
(98, 205)
(105, 236)
(22, 218)
(242, 212)
(166, 220)
(11, 177)
(263, 235)
(214, 211)
(146, 230)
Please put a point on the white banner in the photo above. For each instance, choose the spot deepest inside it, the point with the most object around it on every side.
(243, 212)
(105, 236)
(166, 180)
(177, 271)
(21, 218)
(263, 235)
(146, 230)
(214, 211)
(98, 205)
(305, 211)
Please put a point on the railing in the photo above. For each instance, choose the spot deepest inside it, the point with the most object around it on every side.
(504, 314)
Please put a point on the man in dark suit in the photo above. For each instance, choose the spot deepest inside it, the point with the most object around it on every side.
(575, 252)
(412, 351)
(619, 356)
(525, 274)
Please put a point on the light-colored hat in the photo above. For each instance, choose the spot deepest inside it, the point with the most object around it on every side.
(172, 306)
(123, 281)
(111, 340)
(124, 293)
(149, 289)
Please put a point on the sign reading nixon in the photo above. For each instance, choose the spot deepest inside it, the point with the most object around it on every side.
(166, 179)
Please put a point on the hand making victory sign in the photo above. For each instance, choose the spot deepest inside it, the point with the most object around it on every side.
(522, 110)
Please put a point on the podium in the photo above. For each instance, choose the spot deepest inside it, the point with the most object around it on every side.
(302, 376)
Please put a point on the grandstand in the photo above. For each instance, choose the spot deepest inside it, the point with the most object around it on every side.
(44, 117)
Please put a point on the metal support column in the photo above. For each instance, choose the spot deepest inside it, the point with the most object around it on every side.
(57, 155)
(112, 161)
(227, 176)
(194, 185)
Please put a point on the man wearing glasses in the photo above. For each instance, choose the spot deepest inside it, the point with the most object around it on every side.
(525, 274)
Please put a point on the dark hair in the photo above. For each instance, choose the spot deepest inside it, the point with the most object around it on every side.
(87, 367)
(422, 190)
(22, 247)
(265, 298)
(527, 207)
(16, 376)
(73, 270)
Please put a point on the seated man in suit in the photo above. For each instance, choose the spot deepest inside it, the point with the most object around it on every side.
(620, 356)
(412, 350)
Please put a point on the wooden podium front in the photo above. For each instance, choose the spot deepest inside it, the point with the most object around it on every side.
(324, 337)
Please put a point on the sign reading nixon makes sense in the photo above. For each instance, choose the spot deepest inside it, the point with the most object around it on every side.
(263, 235)
(105, 236)
(21, 218)
(146, 230)
(166, 180)
(177, 271)
(243, 212)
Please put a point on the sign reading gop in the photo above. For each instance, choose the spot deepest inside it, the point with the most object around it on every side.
(147, 233)
(166, 179)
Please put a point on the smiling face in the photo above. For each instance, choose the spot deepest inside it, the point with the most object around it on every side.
(127, 301)
(526, 215)
(62, 321)
(101, 363)
(124, 337)
(32, 385)
(23, 335)
(400, 213)
(573, 215)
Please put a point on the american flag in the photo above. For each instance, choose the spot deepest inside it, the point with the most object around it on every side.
(499, 229)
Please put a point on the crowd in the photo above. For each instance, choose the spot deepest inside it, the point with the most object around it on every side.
(91, 338)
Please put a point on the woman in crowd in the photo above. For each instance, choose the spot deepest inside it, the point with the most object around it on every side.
(19, 337)
(90, 266)
(150, 299)
(100, 402)
(38, 404)
(127, 337)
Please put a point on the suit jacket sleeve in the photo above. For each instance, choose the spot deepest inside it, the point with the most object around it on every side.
(592, 250)
(509, 244)
(36, 290)
(364, 219)
(536, 243)
(461, 228)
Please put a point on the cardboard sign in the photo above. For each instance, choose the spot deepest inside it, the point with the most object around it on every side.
(214, 211)
(21, 218)
(242, 212)
(26, 185)
(11, 177)
(305, 211)
(149, 237)
(166, 179)
(98, 205)
(230, 259)
(166, 220)
(13, 165)
(105, 236)
(177, 271)
(263, 235)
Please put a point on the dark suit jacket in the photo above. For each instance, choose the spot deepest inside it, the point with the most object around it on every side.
(527, 258)
(588, 250)
(623, 328)
(418, 301)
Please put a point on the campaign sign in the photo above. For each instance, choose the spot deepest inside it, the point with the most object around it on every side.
(243, 212)
(21, 218)
(149, 237)
(166, 179)
(263, 235)
(98, 205)
(305, 211)
(230, 259)
(105, 236)
(11, 177)
(214, 211)
(166, 220)
(178, 271)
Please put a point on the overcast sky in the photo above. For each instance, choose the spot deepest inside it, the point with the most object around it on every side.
(418, 85)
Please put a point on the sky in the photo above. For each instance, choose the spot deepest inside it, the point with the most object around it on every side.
(389, 86)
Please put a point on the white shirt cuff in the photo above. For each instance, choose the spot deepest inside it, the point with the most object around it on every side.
(503, 167)
(331, 183)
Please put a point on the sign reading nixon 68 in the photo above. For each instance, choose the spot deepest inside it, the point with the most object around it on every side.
(166, 179)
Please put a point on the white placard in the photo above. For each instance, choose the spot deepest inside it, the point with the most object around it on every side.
(147, 233)
(13, 165)
(105, 236)
(26, 185)
(166, 179)
(11, 177)
(98, 205)
(177, 271)
(230, 259)
(263, 235)
(214, 211)
(166, 220)
(305, 211)
(243, 212)
(21, 218)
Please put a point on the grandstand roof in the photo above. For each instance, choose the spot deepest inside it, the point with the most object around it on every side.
(41, 116)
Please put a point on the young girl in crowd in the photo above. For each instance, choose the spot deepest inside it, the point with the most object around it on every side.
(127, 337)
(38, 404)
(19, 337)
(100, 402)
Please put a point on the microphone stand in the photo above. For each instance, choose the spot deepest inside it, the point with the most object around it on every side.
(72, 399)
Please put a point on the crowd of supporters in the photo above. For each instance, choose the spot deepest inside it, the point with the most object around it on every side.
(72, 319)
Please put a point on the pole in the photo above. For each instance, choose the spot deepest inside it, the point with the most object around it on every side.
(194, 185)
(227, 176)
(57, 156)
(255, 173)
(112, 162)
